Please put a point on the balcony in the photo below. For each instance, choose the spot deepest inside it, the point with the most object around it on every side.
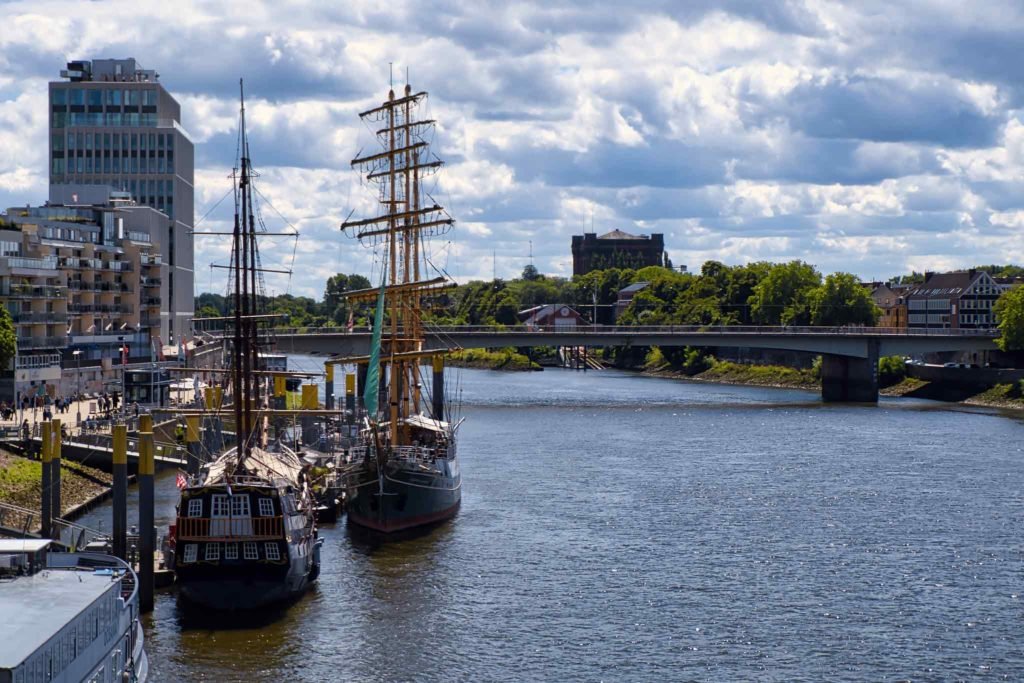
(150, 261)
(119, 266)
(81, 308)
(151, 282)
(26, 317)
(149, 321)
(151, 301)
(45, 263)
(42, 342)
(35, 292)
(230, 528)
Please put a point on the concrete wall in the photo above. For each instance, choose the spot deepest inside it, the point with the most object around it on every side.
(976, 378)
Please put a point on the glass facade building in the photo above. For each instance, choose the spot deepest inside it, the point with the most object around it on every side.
(114, 125)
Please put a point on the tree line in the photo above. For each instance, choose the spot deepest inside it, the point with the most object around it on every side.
(760, 293)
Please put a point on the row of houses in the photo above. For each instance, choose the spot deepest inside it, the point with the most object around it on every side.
(958, 300)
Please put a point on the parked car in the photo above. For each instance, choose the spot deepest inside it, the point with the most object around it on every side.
(949, 365)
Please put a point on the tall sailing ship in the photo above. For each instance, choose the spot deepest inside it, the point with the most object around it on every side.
(408, 472)
(246, 532)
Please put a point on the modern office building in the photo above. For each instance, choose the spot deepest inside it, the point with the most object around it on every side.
(113, 125)
(83, 286)
(616, 249)
(957, 300)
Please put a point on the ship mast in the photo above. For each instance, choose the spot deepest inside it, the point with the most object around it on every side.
(400, 228)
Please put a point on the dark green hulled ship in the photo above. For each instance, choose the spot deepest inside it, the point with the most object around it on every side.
(405, 472)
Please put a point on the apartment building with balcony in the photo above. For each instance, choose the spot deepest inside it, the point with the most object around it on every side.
(114, 126)
(81, 283)
(957, 300)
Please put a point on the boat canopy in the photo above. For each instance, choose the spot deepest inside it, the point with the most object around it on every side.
(275, 467)
(423, 422)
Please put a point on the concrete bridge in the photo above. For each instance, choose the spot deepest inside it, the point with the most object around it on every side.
(849, 354)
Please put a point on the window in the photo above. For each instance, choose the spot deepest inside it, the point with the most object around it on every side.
(114, 98)
(250, 551)
(149, 98)
(266, 507)
(212, 552)
(95, 97)
(273, 552)
(220, 505)
(77, 97)
(240, 506)
(230, 551)
(191, 550)
(60, 96)
(132, 97)
(195, 507)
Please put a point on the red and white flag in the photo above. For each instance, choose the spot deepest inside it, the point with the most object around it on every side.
(181, 481)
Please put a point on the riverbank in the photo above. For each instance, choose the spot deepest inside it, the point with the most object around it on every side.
(1002, 396)
(21, 483)
(482, 359)
(727, 372)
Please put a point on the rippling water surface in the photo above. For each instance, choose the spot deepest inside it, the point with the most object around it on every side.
(618, 527)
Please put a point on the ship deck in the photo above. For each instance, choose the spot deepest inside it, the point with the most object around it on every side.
(36, 607)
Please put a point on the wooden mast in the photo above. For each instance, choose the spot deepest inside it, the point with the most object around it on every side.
(399, 165)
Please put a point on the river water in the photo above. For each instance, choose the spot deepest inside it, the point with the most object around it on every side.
(620, 527)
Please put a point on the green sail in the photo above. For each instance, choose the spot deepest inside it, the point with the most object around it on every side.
(372, 390)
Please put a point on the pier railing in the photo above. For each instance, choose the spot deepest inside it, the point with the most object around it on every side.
(18, 519)
(229, 528)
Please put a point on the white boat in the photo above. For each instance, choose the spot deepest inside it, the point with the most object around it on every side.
(68, 617)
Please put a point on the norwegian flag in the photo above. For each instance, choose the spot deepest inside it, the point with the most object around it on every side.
(181, 481)
(350, 322)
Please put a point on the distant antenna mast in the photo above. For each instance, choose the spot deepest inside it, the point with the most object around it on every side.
(531, 252)
(494, 265)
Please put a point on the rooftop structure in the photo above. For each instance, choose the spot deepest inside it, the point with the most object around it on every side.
(957, 300)
(113, 125)
(616, 249)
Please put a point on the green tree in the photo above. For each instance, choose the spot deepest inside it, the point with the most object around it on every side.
(335, 307)
(841, 300)
(781, 298)
(8, 340)
(530, 272)
(1009, 310)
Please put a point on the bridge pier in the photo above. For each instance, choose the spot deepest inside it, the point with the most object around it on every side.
(847, 379)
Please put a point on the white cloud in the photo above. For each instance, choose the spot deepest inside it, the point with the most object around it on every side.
(872, 136)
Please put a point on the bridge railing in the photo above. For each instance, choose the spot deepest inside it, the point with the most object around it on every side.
(711, 330)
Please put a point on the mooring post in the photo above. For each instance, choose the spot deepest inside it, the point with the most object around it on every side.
(192, 444)
(329, 386)
(350, 397)
(47, 485)
(146, 531)
(437, 391)
(56, 509)
(120, 438)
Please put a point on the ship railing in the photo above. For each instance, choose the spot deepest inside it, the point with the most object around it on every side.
(229, 528)
(415, 453)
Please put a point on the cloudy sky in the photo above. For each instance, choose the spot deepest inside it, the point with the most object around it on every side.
(871, 136)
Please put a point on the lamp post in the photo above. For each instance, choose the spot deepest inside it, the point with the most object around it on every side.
(77, 353)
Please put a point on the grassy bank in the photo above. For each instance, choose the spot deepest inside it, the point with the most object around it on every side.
(21, 482)
(710, 369)
(505, 359)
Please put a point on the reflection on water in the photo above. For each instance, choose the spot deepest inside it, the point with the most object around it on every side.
(628, 528)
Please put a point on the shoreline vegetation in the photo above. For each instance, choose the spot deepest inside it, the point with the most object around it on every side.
(21, 482)
(482, 359)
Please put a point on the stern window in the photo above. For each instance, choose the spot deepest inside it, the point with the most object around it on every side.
(191, 551)
(195, 507)
(273, 552)
(230, 551)
(266, 507)
(212, 551)
(250, 551)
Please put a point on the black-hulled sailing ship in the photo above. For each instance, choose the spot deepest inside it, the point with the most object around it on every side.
(407, 473)
(246, 533)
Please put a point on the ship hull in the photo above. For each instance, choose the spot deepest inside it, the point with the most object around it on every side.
(410, 499)
(247, 589)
